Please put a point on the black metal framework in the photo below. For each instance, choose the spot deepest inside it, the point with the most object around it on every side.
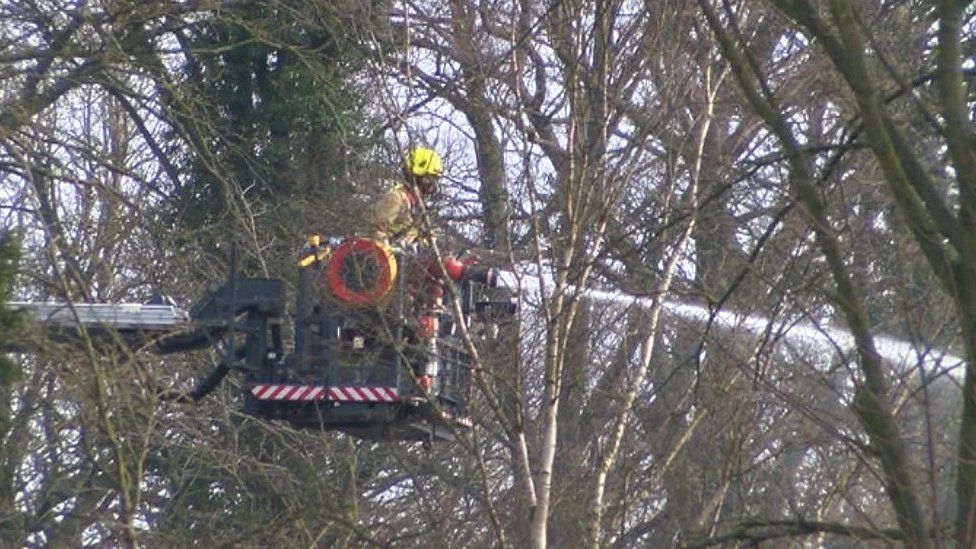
(367, 356)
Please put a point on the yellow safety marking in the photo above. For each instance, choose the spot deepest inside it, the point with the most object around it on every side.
(321, 255)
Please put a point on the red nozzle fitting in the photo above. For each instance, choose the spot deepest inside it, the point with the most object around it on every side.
(454, 268)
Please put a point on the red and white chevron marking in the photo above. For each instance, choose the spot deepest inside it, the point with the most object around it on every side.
(288, 392)
(363, 394)
(318, 392)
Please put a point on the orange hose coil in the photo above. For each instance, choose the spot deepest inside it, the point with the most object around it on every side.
(361, 272)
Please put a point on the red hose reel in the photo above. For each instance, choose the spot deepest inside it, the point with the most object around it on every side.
(361, 272)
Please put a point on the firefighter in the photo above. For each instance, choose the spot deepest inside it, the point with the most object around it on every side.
(396, 219)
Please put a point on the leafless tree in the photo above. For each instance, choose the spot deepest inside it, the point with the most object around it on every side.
(716, 213)
(894, 77)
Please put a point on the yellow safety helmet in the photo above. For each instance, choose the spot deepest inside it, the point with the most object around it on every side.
(422, 161)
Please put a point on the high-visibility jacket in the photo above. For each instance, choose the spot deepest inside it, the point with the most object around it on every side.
(395, 216)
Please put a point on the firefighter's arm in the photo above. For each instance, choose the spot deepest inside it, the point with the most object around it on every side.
(385, 212)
